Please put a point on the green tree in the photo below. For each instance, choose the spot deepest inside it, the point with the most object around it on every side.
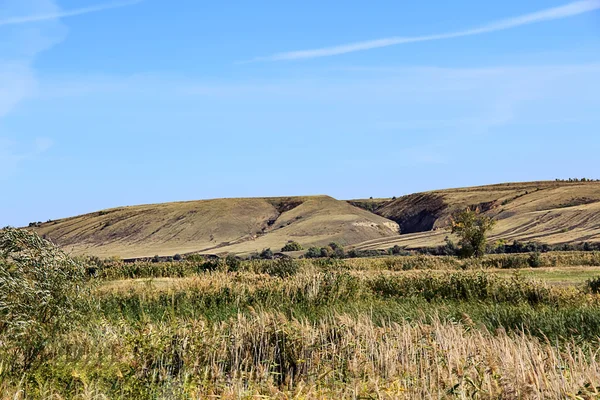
(292, 246)
(472, 227)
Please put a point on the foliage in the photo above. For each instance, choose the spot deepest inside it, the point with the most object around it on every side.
(593, 285)
(313, 252)
(233, 263)
(472, 228)
(266, 254)
(323, 328)
(534, 260)
(42, 294)
(292, 246)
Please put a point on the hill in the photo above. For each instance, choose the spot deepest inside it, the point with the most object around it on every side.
(216, 226)
(547, 212)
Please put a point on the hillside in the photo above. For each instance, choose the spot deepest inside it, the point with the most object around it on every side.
(548, 212)
(216, 226)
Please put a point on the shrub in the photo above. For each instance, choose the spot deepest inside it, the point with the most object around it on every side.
(233, 263)
(398, 251)
(43, 292)
(177, 257)
(313, 252)
(292, 246)
(266, 254)
(534, 260)
(593, 285)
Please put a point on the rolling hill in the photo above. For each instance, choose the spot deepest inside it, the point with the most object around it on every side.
(548, 212)
(216, 226)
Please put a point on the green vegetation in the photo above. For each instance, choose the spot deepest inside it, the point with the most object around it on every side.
(390, 327)
(472, 227)
(42, 295)
(292, 246)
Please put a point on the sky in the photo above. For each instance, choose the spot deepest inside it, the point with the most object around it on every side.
(106, 104)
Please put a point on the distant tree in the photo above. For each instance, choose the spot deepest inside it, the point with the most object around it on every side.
(396, 250)
(233, 263)
(326, 252)
(472, 228)
(313, 252)
(292, 246)
(266, 254)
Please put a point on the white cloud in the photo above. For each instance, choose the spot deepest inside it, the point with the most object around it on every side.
(568, 10)
(28, 28)
(53, 15)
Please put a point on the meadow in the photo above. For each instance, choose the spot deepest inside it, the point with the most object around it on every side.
(373, 328)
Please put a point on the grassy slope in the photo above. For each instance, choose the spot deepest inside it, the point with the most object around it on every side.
(216, 226)
(550, 212)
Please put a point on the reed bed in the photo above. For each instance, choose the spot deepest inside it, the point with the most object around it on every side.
(341, 356)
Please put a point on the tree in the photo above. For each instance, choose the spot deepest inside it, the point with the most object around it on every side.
(266, 254)
(292, 246)
(472, 228)
(313, 252)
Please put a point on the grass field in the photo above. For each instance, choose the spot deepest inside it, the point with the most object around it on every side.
(395, 327)
(216, 226)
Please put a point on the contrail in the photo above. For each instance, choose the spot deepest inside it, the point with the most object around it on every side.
(568, 10)
(67, 13)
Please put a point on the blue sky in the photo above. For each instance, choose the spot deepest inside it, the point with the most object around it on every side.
(122, 103)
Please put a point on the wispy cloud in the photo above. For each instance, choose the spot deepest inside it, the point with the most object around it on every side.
(66, 13)
(19, 47)
(568, 10)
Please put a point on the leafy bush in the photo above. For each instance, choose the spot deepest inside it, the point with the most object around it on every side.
(266, 254)
(313, 252)
(593, 285)
(42, 294)
(534, 260)
(292, 246)
(398, 251)
(233, 263)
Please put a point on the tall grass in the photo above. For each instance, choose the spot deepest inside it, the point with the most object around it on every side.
(268, 354)
(314, 329)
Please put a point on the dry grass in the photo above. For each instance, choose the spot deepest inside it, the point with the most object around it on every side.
(548, 212)
(216, 226)
(270, 356)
